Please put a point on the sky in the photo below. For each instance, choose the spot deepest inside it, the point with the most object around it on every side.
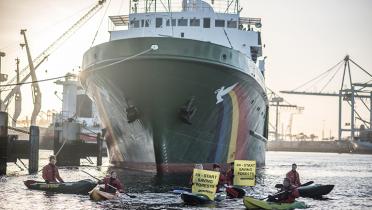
(302, 38)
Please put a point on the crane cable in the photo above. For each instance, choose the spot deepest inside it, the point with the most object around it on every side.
(99, 26)
(333, 76)
(317, 77)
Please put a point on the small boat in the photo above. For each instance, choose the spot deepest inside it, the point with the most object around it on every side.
(98, 195)
(252, 203)
(200, 199)
(235, 192)
(79, 187)
(195, 199)
(315, 190)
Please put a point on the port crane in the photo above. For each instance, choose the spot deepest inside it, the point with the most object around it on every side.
(355, 91)
(35, 63)
(279, 102)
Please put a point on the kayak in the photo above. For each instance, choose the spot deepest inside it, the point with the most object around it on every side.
(195, 199)
(252, 203)
(200, 199)
(98, 195)
(79, 187)
(235, 192)
(315, 190)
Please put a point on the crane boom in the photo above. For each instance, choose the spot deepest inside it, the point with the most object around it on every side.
(36, 93)
(42, 56)
(17, 99)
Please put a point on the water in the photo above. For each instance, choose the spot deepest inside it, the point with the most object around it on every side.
(350, 173)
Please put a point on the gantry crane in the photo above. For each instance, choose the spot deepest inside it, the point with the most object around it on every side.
(40, 59)
(279, 102)
(362, 91)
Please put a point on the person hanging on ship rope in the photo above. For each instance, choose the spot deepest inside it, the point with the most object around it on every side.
(50, 172)
(112, 183)
(293, 176)
(196, 166)
(230, 175)
(222, 179)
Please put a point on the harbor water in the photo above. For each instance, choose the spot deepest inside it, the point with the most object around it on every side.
(350, 173)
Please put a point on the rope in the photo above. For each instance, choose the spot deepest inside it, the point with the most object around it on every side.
(43, 80)
(19, 130)
(153, 47)
(60, 148)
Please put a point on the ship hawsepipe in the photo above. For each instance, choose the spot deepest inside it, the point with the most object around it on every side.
(187, 102)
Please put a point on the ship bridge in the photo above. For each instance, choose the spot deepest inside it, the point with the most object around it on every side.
(215, 21)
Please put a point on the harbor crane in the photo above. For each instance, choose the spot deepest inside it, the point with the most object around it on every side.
(279, 102)
(35, 63)
(355, 91)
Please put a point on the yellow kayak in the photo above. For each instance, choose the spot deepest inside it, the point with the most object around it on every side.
(251, 203)
(98, 195)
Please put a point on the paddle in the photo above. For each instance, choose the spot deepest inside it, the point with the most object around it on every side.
(281, 185)
(131, 196)
(303, 185)
(276, 194)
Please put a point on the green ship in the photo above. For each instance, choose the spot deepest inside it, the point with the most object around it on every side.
(180, 83)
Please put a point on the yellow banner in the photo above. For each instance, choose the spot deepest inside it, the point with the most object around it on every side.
(245, 172)
(205, 182)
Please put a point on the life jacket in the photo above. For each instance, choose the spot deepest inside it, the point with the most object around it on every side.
(51, 174)
(294, 178)
(113, 182)
(289, 195)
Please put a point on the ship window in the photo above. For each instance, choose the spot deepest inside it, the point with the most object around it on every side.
(232, 24)
(134, 24)
(182, 22)
(168, 22)
(159, 22)
(145, 23)
(194, 22)
(206, 22)
(219, 23)
(182, 34)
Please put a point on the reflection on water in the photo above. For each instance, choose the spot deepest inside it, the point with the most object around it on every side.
(350, 173)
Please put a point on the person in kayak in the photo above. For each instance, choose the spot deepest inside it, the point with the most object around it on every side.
(287, 193)
(230, 175)
(293, 176)
(112, 183)
(222, 179)
(50, 171)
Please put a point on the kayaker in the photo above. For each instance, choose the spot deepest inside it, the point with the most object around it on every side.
(222, 179)
(113, 181)
(287, 193)
(293, 176)
(50, 171)
(230, 175)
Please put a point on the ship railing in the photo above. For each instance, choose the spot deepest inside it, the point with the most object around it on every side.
(218, 6)
(123, 21)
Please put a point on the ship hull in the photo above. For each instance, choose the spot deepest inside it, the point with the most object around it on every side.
(193, 103)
